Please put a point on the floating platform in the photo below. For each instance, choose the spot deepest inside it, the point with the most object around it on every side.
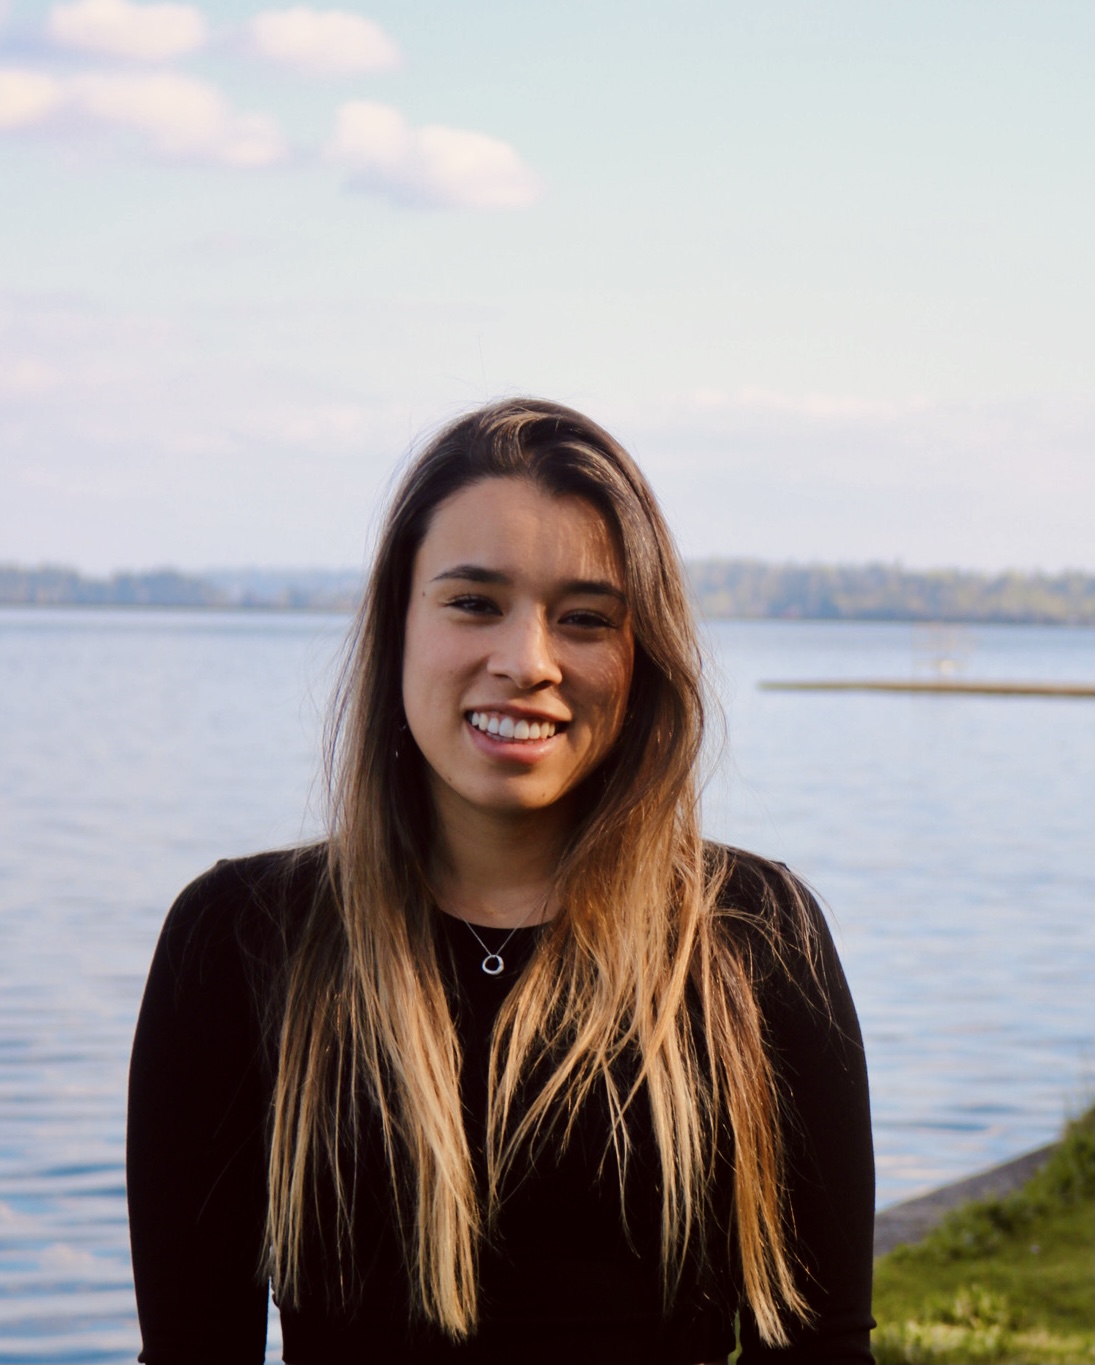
(934, 685)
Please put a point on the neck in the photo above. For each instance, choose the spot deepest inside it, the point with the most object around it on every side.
(499, 870)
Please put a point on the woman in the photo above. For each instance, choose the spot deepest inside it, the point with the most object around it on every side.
(514, 1067)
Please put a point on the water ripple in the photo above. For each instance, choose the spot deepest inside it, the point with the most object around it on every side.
(952, 839)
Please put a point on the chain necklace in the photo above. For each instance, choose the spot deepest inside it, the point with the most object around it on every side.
(494, 964)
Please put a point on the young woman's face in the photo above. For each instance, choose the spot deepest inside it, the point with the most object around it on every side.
(519, 649)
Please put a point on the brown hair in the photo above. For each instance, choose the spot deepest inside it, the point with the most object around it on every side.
(641, 962)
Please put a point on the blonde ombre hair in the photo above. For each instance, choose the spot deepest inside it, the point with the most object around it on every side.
(641, 974)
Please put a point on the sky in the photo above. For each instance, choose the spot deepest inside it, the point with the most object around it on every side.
(826, 269)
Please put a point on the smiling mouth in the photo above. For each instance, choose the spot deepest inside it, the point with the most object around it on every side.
(503, 727)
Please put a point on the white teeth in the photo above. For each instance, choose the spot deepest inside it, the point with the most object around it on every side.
(505, 727)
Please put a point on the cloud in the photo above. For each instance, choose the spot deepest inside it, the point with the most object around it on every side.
(428, 167)
(117, 28)
(323, 42)
(181, 116)
(178, 116)
(27, 98)
(26, 377)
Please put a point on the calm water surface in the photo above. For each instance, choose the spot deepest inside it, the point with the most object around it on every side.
(951, 837)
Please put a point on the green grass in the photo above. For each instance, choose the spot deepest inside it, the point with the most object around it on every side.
(1000, 1281)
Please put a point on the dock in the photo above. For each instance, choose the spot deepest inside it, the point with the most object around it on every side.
(935, 686)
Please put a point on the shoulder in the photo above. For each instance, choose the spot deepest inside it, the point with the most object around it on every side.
(245, 909)
(262, 880)
(750, 889)
(771, 919)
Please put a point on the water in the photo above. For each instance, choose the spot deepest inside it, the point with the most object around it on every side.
(952, 838)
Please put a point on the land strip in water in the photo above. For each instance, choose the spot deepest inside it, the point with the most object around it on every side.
(722, 588)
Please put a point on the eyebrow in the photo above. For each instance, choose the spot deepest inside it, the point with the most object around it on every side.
(476, 573)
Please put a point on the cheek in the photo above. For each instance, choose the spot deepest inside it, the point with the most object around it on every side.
(434, 665)
(609, 684)
(418, 664)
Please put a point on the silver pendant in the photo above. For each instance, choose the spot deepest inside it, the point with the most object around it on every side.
(493, 965)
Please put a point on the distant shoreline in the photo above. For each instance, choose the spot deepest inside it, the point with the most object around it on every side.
(746, 590)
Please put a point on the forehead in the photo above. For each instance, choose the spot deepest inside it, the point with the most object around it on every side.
(515, 526)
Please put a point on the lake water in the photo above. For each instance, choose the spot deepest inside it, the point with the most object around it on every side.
(952, 839)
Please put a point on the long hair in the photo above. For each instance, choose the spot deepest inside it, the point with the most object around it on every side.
(640, 985)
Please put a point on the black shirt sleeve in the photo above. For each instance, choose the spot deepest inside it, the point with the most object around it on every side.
(195, 1154)
(817, 1048)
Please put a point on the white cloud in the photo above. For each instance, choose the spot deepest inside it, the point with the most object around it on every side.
(27, 97)
(118, 28)
(27, 377)
(179, 116)
(326, 42)
(428, 167)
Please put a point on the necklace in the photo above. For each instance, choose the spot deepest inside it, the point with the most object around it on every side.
(494, 964)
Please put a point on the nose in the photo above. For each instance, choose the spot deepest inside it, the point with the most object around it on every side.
(524, 653)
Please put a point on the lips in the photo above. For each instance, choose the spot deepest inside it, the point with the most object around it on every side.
(513, 729)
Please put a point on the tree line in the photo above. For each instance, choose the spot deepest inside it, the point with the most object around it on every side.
(723, 588)
(752, 589)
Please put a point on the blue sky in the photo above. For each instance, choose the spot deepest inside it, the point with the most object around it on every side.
(825, 267)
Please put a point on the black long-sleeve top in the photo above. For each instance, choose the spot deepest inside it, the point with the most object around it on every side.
(563, 1277)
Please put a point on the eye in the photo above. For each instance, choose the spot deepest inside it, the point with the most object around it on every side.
(586, 619)
(473, 604)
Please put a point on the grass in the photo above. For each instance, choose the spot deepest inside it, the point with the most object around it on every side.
(1003, 1280)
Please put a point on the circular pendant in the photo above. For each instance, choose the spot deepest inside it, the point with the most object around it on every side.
(493, 964)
